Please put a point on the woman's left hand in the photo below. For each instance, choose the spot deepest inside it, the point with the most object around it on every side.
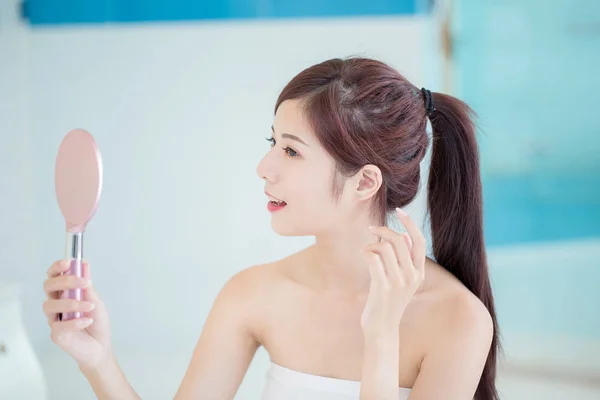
(397, 265)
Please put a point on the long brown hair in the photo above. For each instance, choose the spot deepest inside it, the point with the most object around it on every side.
(364, 112)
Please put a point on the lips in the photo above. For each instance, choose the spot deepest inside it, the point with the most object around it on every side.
(274, 200)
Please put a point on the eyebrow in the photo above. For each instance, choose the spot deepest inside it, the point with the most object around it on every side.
(290, 136)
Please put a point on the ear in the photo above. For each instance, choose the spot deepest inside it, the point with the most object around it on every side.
(368, 181)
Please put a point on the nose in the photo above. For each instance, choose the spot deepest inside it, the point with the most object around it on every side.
(266, 168)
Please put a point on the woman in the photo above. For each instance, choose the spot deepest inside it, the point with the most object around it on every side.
(362, 313)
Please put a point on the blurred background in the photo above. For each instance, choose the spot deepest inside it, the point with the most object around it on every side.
(179, 95)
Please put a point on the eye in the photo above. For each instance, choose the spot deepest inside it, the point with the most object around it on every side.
(290, 152)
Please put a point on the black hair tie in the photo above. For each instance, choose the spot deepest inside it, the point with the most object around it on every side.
(429, 107)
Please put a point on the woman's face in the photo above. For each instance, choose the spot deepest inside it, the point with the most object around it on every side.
(298, 171)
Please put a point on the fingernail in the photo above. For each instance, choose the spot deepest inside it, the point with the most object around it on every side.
(401, 212)
(91, 306)
(87, 321)
(371, 228)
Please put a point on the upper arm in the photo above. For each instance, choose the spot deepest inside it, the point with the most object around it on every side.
(453, 364)
(226, 345)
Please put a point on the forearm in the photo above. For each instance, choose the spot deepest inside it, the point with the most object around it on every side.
(108, 381)
(380, 367)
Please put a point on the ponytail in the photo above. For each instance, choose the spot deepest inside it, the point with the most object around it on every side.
(454, 200)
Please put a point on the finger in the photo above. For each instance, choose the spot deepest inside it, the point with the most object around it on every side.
(60, 327)
(416, 236)
(86, 274)
(403, 251)
(85, 270)
(64, 282)
(387, 253)
(376, 270)
(400, 244)
(90, 295)
(57, 268)
(52, 307)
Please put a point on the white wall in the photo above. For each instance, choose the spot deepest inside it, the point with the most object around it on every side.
(196, 98)
(16, 159)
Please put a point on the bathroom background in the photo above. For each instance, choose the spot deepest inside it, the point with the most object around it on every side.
(179, 96)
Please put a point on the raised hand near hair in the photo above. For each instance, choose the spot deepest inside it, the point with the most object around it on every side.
(396, 264)
(86, 339)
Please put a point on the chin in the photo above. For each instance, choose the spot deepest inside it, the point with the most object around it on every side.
(284, 228)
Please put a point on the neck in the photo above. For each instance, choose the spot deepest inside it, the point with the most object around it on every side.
(341, 268)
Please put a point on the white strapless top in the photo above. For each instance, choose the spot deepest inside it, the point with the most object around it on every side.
(286, 384)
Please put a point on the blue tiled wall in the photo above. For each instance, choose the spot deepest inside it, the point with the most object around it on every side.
(529, 69)
(96, 11)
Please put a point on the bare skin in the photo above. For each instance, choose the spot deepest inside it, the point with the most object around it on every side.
(306, 309)
(301, 325)
(307, 328)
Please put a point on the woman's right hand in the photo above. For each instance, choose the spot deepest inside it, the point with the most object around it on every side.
(86, 339)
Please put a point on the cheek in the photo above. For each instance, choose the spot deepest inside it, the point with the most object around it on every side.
(313, 208)
(317, 199)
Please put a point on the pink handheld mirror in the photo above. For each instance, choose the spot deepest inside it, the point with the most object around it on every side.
(78, 184)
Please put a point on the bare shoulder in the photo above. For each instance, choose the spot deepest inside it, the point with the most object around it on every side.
(232, 333)
(455, 332)
(251, 292)
(466, 314)
(246, 289)
(252, 281)
(456, 314)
